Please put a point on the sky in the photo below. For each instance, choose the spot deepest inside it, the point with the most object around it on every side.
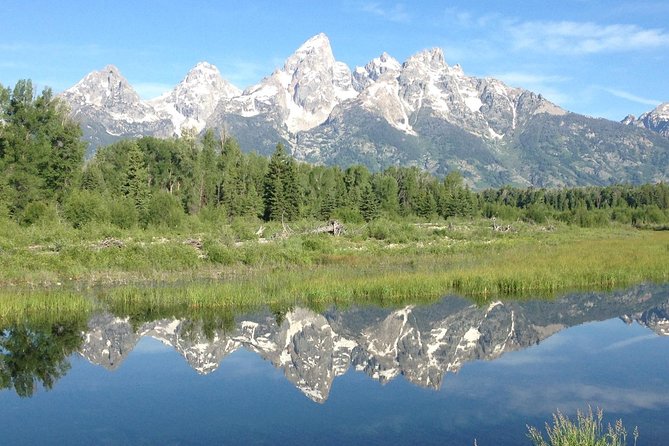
(599, 58)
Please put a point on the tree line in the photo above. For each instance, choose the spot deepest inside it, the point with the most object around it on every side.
(152, 181)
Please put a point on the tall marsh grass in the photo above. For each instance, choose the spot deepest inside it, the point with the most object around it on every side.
(587, 430)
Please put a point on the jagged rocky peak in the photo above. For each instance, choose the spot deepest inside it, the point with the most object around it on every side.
(317, 50)
(316, 76)
(302, 94)
(206, 76)
(194, 99)
(656, 119)
(629, 119)
(106, 88)
(375, 68)
(431, 58)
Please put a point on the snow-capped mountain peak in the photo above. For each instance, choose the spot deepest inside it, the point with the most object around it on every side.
(656, 119)
(105, 88)
(195, 98)
(303, 93)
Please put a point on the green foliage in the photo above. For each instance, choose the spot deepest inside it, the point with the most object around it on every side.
(164, 210)
(40, 149)
(536, 213)
(32, 354)
(39, 212)
(347, 215)
(123, 213)
(281, 189)
(588, 430)
(82, 207)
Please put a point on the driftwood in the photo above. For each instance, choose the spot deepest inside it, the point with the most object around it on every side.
(501, 228)
(109, 242)
(333, 227)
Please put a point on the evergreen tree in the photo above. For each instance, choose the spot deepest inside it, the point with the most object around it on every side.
(281, 192)
(136, 180)
(369, 206)
(40, 151)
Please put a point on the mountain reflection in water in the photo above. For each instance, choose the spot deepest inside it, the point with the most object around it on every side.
(422, 343)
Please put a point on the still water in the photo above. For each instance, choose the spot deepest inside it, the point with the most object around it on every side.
(449, 373)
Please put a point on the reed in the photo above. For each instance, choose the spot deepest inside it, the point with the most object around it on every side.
(587, 430)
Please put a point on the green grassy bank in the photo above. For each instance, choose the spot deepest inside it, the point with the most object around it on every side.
(381, 262)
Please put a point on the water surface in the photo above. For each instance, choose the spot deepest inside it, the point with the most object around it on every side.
(447, 373)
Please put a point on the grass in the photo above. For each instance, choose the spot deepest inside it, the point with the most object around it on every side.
(587, 430)
(43, 306)
(388, 263)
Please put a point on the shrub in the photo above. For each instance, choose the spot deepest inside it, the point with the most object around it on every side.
(123, 213)
(38, 212)
(218, 253)
(536, 213)
(81, 207)
(165, 210)
(588, 430)
(347, 215)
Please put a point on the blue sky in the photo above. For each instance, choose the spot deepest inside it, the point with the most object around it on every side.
(600, 58)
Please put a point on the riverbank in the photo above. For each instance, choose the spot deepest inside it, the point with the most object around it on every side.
(383, 261)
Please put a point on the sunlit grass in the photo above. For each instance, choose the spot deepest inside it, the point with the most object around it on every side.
(409, 263)
(17, 306)
(587, 430)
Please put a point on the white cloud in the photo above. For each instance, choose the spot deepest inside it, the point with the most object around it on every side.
(396, 13)
(562, 37)
(631, 97)
(569, 37)
(546, 85)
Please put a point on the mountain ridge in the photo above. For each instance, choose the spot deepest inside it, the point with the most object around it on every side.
(422, 112)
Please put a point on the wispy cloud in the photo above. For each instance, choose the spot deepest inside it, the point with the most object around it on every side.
(547, 85)
(567, 37)
(561, 37)
(631, 97)
(395, 13)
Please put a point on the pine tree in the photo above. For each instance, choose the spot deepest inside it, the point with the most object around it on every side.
(40, 151)
(369, 206)
(136, 180)
(281, 192)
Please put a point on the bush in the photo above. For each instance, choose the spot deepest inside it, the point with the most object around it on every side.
(501, 211)
(245, 228)
(123, 213)
(218, 253)
(82, 207)
(391, 231)
(347, 215)
(38, 212)
(321, 243)
(165, 209)
(536, 213)
(587, 431)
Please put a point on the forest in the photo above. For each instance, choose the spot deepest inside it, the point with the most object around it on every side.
(162, 182)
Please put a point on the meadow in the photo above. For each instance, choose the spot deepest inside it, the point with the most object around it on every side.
(248, 263)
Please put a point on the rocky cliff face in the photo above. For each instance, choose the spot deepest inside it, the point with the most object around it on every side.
(422, 113)
(108, 108)
(422, 344)
(656, 120)
(195, 98)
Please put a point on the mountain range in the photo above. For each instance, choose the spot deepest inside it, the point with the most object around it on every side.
(422, 112)
(421, 343)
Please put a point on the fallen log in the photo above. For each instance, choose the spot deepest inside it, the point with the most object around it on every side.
(333, 227)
